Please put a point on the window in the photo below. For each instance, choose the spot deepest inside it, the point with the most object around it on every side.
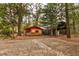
(37, 31)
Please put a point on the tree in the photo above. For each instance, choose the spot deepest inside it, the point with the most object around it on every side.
(5, 28)
(12, 17)
(50, 11)
(13, 11)
(73, 15)
(35, 11)
(67, 20)
(7, 19)
(21, 11)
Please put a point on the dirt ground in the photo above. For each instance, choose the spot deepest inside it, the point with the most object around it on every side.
(39, 46)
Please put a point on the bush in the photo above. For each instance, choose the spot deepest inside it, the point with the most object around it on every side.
(6, 31)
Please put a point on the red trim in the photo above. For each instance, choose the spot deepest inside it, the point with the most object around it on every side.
(33, 27)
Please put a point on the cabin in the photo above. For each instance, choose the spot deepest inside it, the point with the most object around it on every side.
(34, 30)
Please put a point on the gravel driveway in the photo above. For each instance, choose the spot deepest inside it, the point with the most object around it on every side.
(37, 47)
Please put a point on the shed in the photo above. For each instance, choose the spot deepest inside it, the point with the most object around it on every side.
(34, 30)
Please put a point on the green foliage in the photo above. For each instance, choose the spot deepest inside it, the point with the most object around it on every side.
(5, 28)
(13, 13)
(74, 18)
(6, 31)
(50, 11)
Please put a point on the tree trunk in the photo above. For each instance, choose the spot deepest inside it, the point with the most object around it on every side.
(74, 24)
(51, 32)
(51, 27)
(13, 34)
(37, 17)
(67, 20)
(19, 25)
(74, 28)
(19, 19)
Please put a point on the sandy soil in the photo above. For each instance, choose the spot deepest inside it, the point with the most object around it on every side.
(39, 46)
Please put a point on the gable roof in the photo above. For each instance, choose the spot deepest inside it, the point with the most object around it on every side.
(34, 27)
